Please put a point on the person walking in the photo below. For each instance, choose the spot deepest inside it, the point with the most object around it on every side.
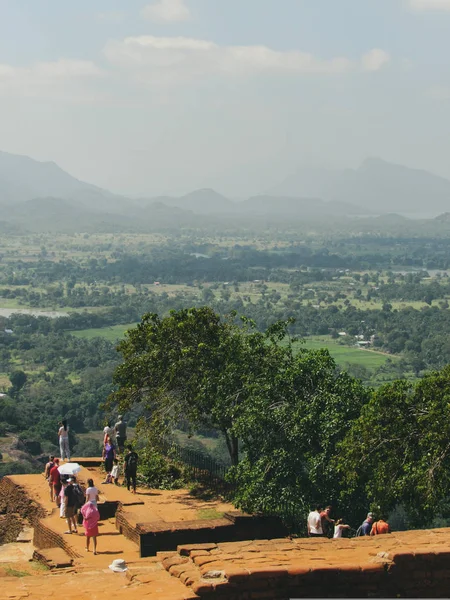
(63, 434)
(109, 454)
(366, 526)
(55, 481)
(91, 517)
(62, 494)
(48, 467)
(121, 433)
(339, 528)
(130, 464)
(314, 523)
(380, 527)
(70, 502)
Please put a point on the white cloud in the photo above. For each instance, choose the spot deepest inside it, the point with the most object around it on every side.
(166, 11)
(430, 5)
(59, 77)
(375, 60)
(177, 59)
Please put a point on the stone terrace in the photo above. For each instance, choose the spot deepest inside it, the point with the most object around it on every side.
(407, 564)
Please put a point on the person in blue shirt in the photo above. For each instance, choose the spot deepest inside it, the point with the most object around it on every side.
(366, 527)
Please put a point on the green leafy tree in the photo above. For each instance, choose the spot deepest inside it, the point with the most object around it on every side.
(194, 366)
(398, 450)
(18, 379)
(290, 433)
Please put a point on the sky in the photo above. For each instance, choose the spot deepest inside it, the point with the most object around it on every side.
(166, 96)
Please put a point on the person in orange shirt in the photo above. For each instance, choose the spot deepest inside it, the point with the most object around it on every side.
(381, 526)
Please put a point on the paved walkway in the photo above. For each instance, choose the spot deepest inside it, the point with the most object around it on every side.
(94, 580)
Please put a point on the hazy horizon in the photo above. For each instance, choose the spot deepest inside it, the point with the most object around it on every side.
(167, 96)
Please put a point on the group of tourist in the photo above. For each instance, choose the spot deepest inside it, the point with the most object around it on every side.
(78, 505)
(75, 504)
(114, 444)
(320, 524)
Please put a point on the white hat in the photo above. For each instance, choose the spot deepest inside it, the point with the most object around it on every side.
(118, 566)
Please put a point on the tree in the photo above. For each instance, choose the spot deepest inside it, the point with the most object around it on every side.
(18, 379)
(290, 432)
(194, 366)
(398, 450)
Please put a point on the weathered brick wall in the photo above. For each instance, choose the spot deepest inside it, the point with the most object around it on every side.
(282, 569)
(44, 537)
(160, 536)
(125, 527)
(14, 499)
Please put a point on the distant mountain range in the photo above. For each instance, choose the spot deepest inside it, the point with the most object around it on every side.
(22, 179)
(38, 195)
(376, 185)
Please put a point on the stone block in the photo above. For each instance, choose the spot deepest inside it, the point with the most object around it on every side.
(268, 572)
(174, 560)
(236, 575)
(203, 560)
(178, 570)
(188, 577)
(186, 549)
(202, 588)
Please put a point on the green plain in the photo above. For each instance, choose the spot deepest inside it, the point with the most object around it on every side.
(113, 333)
(346, 354)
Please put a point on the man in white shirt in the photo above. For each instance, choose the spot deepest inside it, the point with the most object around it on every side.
(314, 523)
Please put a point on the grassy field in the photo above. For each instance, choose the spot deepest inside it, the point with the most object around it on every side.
(113, 333)
(342, 354)
(347, 354)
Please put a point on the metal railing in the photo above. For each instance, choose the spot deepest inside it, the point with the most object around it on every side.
(200, 467)
(210, 472)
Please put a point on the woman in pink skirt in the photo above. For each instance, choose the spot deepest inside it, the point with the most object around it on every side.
(91, 517)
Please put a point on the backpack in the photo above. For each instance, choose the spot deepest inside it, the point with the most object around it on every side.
(78, 495)
(132, 462)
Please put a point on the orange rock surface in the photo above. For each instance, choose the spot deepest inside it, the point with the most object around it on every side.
(411, 560)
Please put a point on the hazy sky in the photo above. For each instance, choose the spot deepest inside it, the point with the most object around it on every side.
(170, 95)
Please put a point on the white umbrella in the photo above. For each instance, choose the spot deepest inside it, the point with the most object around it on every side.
(69, 469)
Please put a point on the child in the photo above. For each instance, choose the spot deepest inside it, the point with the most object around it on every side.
(115, 472)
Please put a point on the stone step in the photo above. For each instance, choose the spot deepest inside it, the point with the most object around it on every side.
(26, 535)
(53, 558)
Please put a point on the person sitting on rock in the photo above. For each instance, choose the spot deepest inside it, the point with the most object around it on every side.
(340, 528)
(380, 527)
(366, 526)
